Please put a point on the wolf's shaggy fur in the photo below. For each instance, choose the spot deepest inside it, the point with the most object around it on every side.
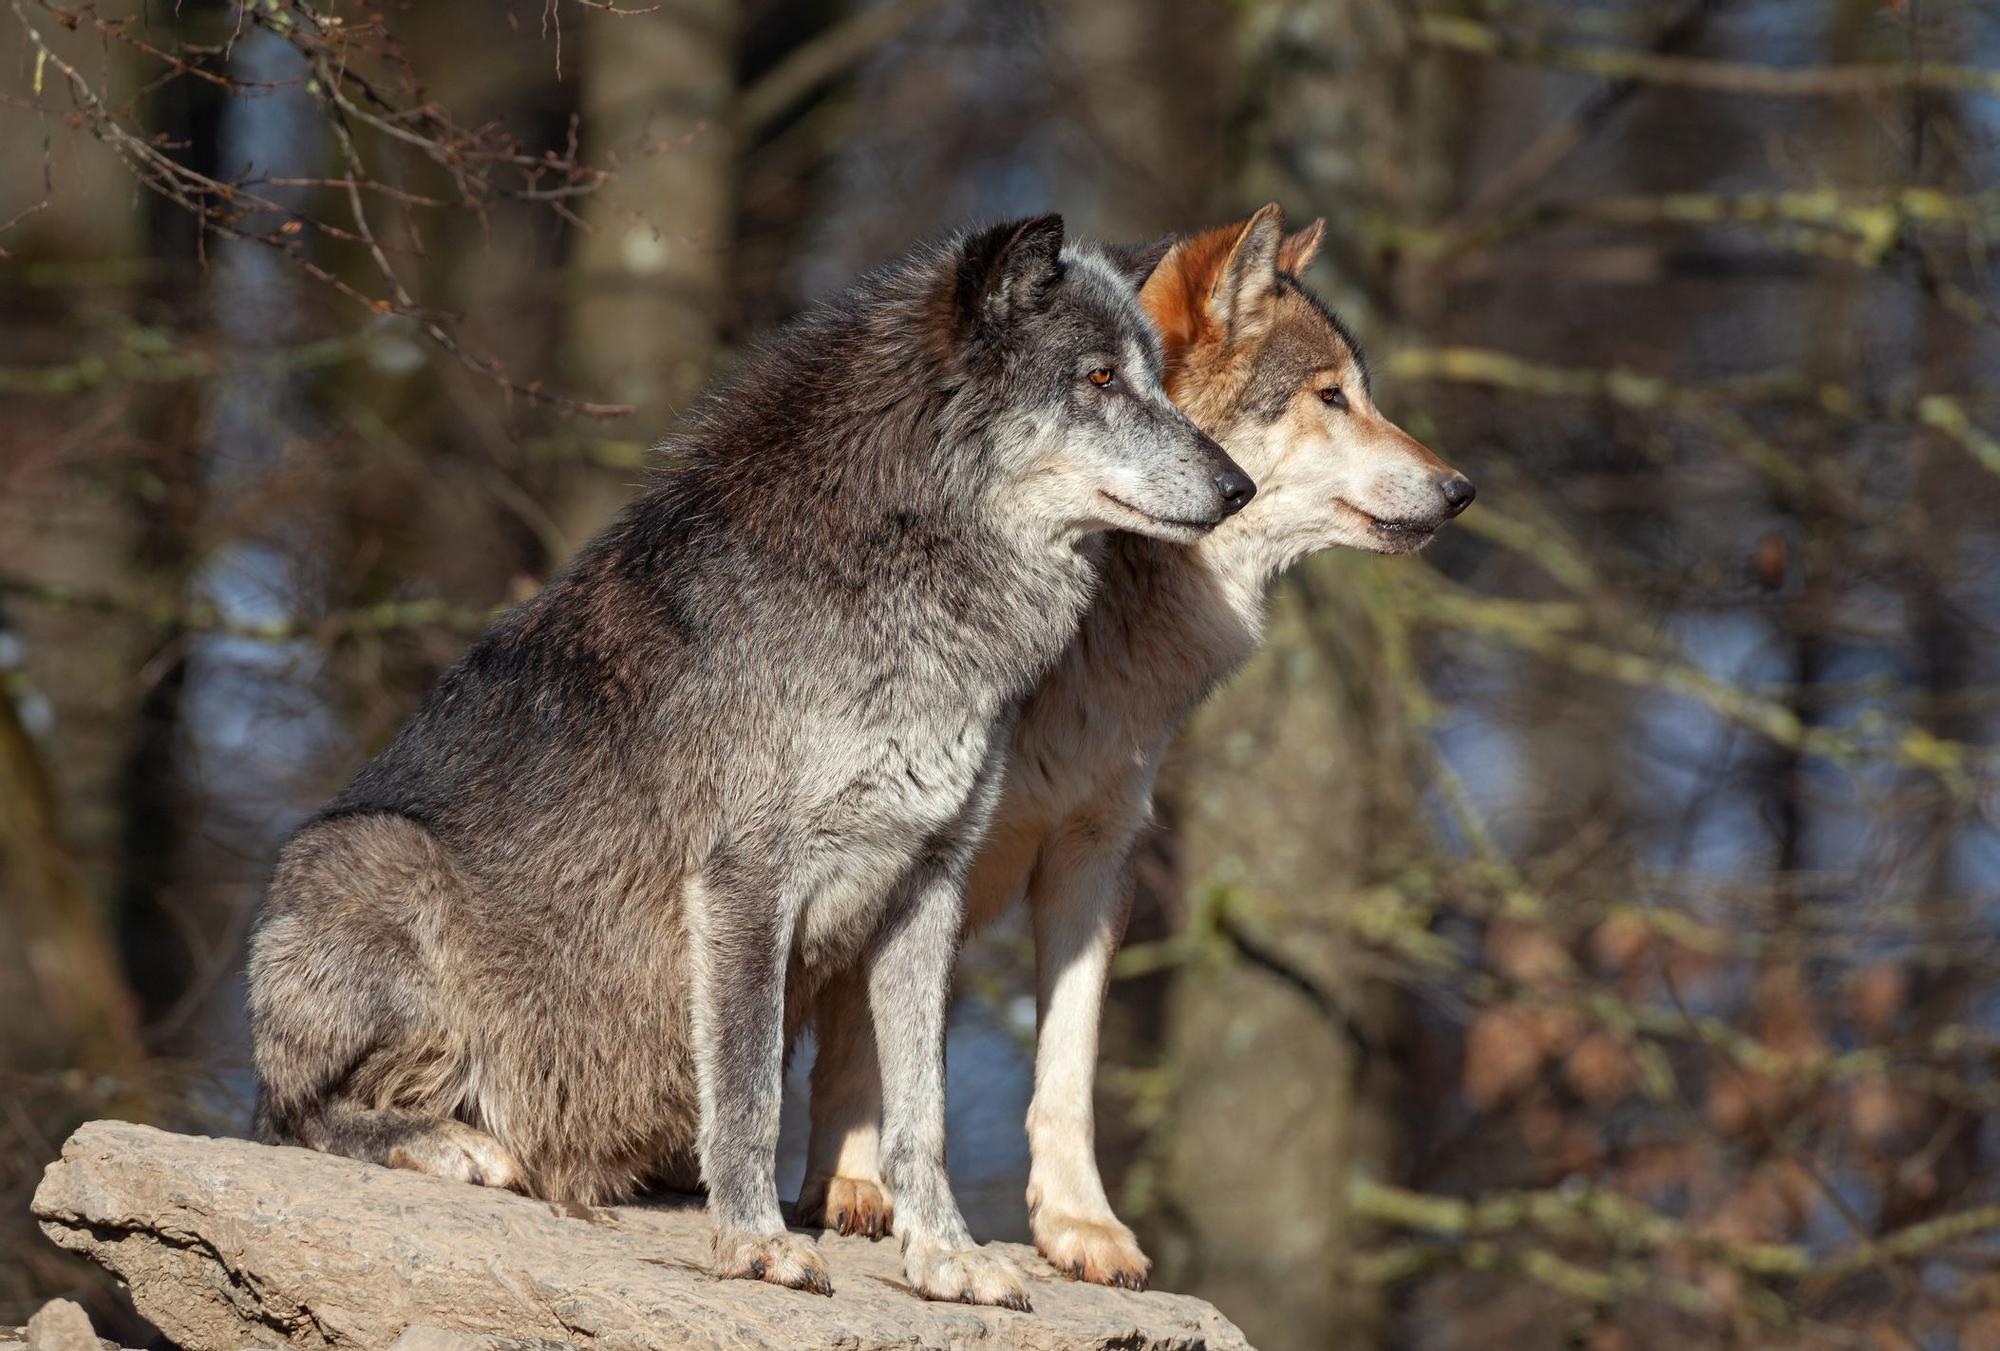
(1269, 371)
(749, 738)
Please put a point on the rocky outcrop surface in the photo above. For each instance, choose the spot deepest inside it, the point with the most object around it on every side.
(60, 1326)
(225, 1243)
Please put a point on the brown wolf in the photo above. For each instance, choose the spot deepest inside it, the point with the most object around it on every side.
(1265, 368)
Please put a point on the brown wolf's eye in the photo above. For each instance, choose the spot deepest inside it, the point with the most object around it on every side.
(1334, 397)
(1100, 377)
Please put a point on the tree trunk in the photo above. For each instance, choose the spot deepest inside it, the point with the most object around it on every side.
(1279, 789)
(1296, 781)
(57, 958)
(650, 278)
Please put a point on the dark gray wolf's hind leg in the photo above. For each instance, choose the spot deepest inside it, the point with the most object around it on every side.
(439, 1146)
(336, 999)
(909, 990)
(738, 930)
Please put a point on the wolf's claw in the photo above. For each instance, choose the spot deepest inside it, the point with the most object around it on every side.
(968, 1276)
(849, 1206)
(1101, 1251)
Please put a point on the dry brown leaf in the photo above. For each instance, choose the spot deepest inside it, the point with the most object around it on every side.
(1723, 1287)
(1526, 955)
(1503, 1053)
(1579, 1148)
(1600, 1069)
(1542, 1125)
(1874, 1110)
(1880, 994)
(1786, 1018)
(1556, 1028)
(1620, 941)
(1739, 1100)
(1608, 1337)
(1888, 1337)
(1981, 1332)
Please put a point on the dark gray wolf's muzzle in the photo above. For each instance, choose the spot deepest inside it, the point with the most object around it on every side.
(1232, 485)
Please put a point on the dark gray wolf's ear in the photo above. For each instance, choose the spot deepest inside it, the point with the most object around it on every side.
(1137, 261)
(1009, 269)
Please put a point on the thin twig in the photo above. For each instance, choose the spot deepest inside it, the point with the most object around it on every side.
(1455, 33)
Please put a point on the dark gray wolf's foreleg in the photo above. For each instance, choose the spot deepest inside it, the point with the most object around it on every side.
(739, 932)
(909, 989)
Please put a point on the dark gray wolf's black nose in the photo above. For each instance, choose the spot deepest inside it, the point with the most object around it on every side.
(1236, 489)
(1458, 493)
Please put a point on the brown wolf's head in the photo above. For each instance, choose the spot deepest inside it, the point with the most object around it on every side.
(1263, 366)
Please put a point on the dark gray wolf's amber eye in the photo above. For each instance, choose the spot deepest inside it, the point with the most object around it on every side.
(1102, 377)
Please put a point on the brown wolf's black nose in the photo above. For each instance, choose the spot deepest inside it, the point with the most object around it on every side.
(1236, 489)
(1458, 493)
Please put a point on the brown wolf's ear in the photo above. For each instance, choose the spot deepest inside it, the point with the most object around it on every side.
(1296, 254)
(1217, 284)
(1009, 269)
(1240, 299)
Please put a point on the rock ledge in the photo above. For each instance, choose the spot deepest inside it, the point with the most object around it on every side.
(225, 1243)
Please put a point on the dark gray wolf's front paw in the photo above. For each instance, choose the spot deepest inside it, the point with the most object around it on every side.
(965, 1276)
(781, 1259)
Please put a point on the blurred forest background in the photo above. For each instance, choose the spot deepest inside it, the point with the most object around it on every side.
(1587, 934)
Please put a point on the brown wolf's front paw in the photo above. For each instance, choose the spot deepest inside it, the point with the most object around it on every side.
(781, 1259)
(965, 1276)
(1102, 1251)
(847, 1205)
(455, 1150)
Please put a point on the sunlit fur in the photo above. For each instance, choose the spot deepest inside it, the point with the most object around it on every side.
(746, 743)
(1249, 352)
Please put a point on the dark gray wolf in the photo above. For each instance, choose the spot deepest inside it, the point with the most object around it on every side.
(750, 738)
(1263, 366)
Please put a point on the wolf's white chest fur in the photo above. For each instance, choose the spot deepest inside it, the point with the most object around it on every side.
(895, 769)
(1159, 637)
(884, 799)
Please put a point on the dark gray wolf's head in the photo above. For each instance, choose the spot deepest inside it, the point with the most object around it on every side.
(1086, 438)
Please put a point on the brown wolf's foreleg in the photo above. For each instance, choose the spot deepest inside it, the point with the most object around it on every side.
(1079, 897)
(843, 1188)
